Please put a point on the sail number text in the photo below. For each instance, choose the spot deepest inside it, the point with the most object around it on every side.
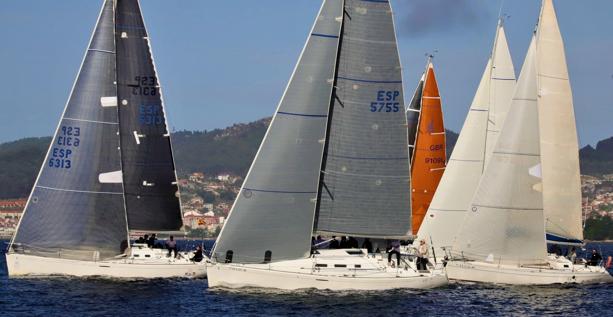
(386, 101)
(67, 140)
(146, 86)
(150, 115)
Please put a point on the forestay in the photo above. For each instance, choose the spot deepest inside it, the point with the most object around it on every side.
(505, 223)
(365, 177)
(76, 209)
(150, 184)
(275, 207)
(466, 164)
(559, 144)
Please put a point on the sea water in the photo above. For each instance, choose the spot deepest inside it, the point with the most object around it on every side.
(62, 296)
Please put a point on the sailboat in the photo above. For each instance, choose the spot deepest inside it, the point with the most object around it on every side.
(334, 161)
(531, 185)
(472, 149)
(426, 144)
(109, 168)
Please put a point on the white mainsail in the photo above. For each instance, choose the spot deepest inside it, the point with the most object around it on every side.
(559, 144)
(466, 164)
(505, 223)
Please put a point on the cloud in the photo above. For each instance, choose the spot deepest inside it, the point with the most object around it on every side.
(423, 17)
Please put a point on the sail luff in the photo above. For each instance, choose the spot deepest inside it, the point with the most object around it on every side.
(74, 210)
(559, 142)
(274, 210)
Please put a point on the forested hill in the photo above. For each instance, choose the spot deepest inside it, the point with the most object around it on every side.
(228, 150)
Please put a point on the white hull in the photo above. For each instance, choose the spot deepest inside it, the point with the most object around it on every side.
(304, 273)
(508, 274)
(129, 267)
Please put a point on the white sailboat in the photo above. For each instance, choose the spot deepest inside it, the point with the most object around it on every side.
(472, 149)
(109, 168)
(334, 161)
(531, 185)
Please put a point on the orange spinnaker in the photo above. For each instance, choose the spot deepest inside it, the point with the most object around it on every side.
(429, 158)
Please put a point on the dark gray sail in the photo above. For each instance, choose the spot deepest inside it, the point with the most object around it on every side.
(413, 112)
(275, 207)
(365, 176)
(150, 184)
(76, 208)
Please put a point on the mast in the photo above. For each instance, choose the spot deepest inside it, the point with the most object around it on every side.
(333, 98)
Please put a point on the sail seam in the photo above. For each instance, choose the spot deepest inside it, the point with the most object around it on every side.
(356, 39)
(369, 158)
(91, 121)
(99, 50)
(80, 191)
(364, 175)
(371, 81)
(324, 35)
(279, 191)
(303, 114)
(509, 207)
(517, 153)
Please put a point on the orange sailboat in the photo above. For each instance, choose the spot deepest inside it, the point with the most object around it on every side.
(426, 144)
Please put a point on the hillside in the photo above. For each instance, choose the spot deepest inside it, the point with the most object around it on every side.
(599, 160)
(228, 150)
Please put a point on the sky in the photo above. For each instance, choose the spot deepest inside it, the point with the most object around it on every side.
(224, 62)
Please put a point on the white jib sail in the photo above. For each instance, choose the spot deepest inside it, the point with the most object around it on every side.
(466, 164)
(505, 223)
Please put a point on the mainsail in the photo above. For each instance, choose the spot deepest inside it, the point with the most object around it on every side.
(76, 208)
(559, 144)
(428, 160)
(467, 161)
(149, 179)
(334, 158)
(505, 223)
(365, 177)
